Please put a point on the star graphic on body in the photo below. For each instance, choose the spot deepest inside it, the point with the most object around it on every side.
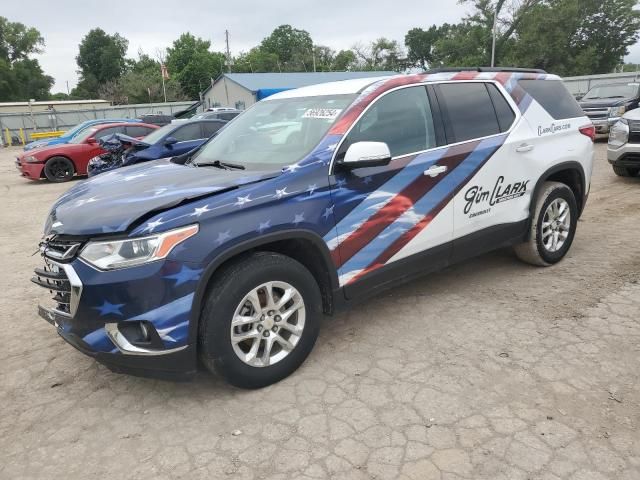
(185, 275)
(299, 218)
(222, 236)
(242, 200)
(341, 182)
(151, 226)
(56, 224)
(109, 308)
(281, 192)
(85, 201)
(134, 176)
(328, 212)
(264, 225)
(367, 180)
(200, 210)
(311, 189)
(292, 168)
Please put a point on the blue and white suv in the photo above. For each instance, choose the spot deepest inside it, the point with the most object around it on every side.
(311, 199)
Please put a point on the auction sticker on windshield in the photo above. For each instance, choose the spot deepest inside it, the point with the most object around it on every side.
(326, 113)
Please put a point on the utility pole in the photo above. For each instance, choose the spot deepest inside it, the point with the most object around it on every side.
(493, 37)
(229, 61)
(68, 93)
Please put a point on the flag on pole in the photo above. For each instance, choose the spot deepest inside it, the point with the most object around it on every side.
(164, 71)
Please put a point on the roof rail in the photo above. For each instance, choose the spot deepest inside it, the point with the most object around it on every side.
(485, 69)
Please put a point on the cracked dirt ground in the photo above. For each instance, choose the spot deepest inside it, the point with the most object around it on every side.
(491, 369)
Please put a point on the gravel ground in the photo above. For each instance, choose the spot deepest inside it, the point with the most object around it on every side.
(491, 369)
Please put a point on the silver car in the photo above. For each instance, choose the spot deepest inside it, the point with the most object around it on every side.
(623, 150)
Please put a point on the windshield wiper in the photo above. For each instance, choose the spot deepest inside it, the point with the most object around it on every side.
(219, 164)
(615, 96)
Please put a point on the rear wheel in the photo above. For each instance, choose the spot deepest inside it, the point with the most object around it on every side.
(260, 320)
(59, 169)
(553, 226)
(626, 171)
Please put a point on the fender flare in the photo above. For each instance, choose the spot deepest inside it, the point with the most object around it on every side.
(246, 246)
(571, 165)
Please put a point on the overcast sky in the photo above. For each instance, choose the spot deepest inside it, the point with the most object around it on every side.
(151, 25)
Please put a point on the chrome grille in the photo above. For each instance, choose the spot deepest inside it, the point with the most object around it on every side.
(54, 278)
(634, 131)
(60, 249)
(596, 113)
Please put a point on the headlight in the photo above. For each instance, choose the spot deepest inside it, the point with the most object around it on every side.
(110, 255)
(619, 133)
(31, 159)
(617, 111)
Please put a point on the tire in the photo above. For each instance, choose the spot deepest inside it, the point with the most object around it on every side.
(59, 169)
(626, 171)
(225, 299)
(537, 250)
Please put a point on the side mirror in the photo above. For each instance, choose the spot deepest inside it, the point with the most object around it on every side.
(92, 140)
(366, 154)
(170, 141)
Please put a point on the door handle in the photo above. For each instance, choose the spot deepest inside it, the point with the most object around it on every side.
(435, 170)
(525, 147)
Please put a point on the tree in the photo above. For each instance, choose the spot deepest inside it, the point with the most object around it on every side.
(345, 60)
(421, 46)
(101, 58)
(191, 62)
(381, 54)
(256, 60)
(292, 46)
(21, 78)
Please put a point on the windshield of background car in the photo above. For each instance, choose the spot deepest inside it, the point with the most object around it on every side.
(274, 133)
(75, 130)
(612, 91)
(83, 135)
(156, 135)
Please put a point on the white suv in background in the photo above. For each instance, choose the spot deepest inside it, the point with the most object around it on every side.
(623, 150)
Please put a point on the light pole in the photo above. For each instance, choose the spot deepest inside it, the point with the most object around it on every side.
(493, 36)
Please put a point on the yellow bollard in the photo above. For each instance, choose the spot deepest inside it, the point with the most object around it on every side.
(7, 137)
(22, 139)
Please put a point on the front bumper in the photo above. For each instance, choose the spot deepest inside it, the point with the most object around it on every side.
(628, 155)
(97, 312)
(32, 171)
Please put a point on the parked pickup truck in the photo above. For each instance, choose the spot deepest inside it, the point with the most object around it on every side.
(605, 104)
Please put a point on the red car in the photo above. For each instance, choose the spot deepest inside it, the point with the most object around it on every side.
(59, 163)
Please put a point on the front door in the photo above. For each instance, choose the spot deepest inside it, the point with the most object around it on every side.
(386, 214)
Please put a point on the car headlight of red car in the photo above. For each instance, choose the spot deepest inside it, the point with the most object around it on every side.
(31, 159)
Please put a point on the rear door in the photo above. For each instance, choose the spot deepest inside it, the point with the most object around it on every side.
(493, 198)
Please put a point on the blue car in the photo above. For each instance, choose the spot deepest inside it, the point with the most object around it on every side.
(69, 134)
(172, 140)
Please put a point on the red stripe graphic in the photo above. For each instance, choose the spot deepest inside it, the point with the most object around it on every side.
(399, 204)
(409, 235)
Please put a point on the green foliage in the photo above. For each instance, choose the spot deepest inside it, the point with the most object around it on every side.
(101, 58)
(421, 45)
(191, 62)
(381, 54)
(21, 78)
(292, 46)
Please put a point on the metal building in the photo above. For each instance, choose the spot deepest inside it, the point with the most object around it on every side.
(241, 90)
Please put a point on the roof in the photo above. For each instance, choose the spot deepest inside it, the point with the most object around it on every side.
(258, 81)
(330, 88)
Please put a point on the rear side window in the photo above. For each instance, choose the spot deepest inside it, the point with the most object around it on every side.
(470, 111)
(554, 98)
(503, 110)
(188, 132)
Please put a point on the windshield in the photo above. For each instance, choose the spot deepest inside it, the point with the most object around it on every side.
(82, 136)
(274, 133)
(156, 135)
(75, 130)
(612, 91)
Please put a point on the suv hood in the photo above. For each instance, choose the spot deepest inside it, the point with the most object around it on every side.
(111, 202)
(604, 102)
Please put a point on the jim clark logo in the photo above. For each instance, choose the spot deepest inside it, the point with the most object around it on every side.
(478, 196)
(553, 128)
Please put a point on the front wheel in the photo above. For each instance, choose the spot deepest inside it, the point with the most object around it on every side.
(260, 320)
(625, 171)
(59, 169)
(553, 226)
